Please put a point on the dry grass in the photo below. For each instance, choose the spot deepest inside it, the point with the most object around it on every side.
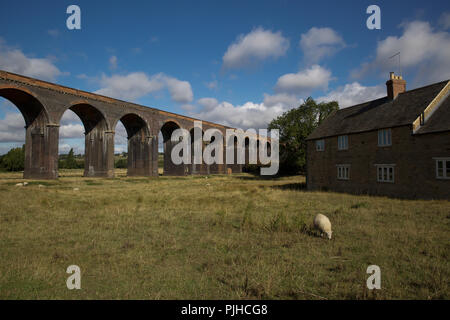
(216, 238)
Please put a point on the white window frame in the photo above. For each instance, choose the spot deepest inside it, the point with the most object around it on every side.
(343, 142)
(321, 143)
(385, 173)
(444, 168)
(385, 137)
(343, 171)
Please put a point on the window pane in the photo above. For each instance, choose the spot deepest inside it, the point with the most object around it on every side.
(440, 168)
(385, 176)
(447, 166)
(391, 174)
(388, 133)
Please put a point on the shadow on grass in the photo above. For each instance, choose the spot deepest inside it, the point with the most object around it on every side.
(291, 186)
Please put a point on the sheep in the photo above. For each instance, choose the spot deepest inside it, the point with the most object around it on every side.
(323, 224)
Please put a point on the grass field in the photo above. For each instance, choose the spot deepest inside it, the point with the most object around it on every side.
(221, 237)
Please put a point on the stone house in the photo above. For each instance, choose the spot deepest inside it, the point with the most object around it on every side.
(397, 146)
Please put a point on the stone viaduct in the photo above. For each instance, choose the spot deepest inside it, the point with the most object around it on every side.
(42, 105)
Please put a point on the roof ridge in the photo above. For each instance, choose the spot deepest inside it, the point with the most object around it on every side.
(428, 85)
(407, 91)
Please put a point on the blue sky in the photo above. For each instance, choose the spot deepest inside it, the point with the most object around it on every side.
(240, 63)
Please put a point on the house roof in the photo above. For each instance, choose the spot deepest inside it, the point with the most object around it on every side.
(436, 122)
(386, 113)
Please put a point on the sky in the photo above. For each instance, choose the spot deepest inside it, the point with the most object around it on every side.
(238, 63)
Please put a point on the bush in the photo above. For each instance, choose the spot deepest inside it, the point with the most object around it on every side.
(14, 160)
(121, 163)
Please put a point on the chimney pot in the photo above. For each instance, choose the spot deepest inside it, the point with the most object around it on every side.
(395, 85)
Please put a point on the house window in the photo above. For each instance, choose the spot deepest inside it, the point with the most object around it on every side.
(385, 172)
(384, 137)
(320, 145)
(442, 168)
(343, 171)
(342, 142)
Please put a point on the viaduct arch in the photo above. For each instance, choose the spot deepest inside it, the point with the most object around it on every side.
(42, 105)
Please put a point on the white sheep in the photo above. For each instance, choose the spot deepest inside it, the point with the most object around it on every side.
(323, 224)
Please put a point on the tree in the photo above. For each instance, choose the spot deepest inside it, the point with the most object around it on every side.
(295, 126)
(14, 160)
(68, 161)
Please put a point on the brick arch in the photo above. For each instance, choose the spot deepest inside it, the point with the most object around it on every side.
(88, 113)
(23, 99)
(134, 115)
(40, 159)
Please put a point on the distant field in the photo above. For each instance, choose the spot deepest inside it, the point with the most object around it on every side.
(221, 237)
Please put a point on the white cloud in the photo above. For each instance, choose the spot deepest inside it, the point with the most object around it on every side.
(424, 53)
(180, 91)
(354, 93)
(129, 87)
(12, 128)
(258, 45)
(318, 43)
(444, 20)
(70, 131)
(120, 138)
(138, 84)
(284, 100)
(113, 62)
(14, 60)
(305, 81)
(208, 103)
(248, 115)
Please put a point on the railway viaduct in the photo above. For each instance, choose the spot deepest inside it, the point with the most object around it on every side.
(42, 105)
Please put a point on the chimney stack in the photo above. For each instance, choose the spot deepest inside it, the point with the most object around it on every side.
(395, 85)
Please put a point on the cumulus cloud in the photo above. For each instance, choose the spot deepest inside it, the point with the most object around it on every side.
(180, 91)
(138, 84)
(129, 87)
(14, 60)
(318, 43)
(424, 53)
(305, 81)
(248, 115)
(256, 46)
(208, 103)
(69, 131)
(284, 100)
(354, 93)
(12, 128)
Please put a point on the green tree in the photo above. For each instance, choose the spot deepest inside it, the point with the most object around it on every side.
(295, 126)
(14, 160)
(70, 162)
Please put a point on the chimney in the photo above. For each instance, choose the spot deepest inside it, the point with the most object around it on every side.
(395, 85)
